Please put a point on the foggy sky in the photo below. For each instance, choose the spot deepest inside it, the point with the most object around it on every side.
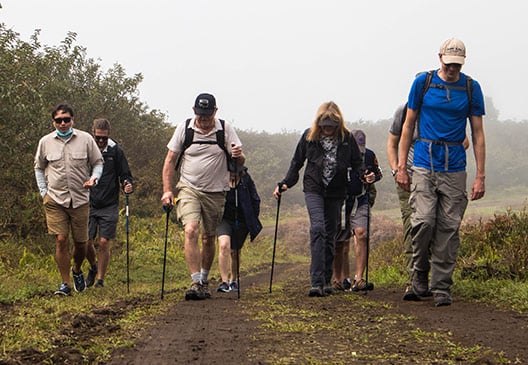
(272, 63)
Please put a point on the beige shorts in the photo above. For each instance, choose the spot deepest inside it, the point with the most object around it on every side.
(198, 206)
(59, 219)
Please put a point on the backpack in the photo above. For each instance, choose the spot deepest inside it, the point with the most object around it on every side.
(468, 88)
(427, 85)
(189, 140)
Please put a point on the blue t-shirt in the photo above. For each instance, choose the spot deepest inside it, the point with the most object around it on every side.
(443, 117)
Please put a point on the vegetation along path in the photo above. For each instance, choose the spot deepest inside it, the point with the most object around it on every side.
(281, 327)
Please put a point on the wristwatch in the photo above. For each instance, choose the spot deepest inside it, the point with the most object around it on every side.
(394, 172)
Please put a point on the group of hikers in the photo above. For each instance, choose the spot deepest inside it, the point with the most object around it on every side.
(206, 181)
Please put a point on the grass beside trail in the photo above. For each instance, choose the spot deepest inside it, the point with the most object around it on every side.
(36, 324)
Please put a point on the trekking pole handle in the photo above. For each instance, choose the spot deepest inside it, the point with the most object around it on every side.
(168, 207)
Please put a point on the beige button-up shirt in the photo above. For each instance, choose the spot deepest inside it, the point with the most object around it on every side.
(67, 164)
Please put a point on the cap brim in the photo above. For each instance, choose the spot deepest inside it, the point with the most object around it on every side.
(199, 111)
(453, 59)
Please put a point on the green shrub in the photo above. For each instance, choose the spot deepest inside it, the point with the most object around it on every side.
(496, 249)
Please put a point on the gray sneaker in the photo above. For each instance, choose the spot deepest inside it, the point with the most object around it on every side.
(64, 289)
(195, 292)
(420, 283)
(442, 299)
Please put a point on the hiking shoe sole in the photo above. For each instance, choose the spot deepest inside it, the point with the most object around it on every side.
(64, 290)
(442, 300)
(223, 288)
(410, 296)
(316, 292)
(195, 292)
(192, 295)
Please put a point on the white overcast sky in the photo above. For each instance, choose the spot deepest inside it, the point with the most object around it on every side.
(272, 63)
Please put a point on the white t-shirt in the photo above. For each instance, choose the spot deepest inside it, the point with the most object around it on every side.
(204, 166)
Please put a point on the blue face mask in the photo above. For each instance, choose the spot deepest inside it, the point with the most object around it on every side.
(65, 134)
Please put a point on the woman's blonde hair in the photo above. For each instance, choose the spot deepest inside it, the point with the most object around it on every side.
(330, 110)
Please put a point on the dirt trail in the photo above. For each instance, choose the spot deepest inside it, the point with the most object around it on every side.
(216, 331)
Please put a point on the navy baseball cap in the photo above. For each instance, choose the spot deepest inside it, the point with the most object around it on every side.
(205, 104)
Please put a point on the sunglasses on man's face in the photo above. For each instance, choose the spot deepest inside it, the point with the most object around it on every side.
(101, 138)
(66, 120)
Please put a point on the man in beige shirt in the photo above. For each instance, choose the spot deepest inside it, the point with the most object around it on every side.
(67, 164)
(201, 187)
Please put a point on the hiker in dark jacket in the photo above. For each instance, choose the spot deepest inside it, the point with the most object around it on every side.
(357, 218)
(241, 217)
(104, 202)
(330, 151)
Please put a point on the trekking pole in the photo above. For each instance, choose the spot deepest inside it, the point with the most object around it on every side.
(127, 248)
(167, 209)
(369, 286)
(236, 226)
(275, 238)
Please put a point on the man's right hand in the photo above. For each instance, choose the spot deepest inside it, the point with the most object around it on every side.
(402, 178)
(167, 199)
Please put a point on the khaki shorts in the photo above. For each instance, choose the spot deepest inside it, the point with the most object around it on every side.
(59, 219)
(197, 206)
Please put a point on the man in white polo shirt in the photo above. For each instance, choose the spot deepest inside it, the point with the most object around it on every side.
(202, 184)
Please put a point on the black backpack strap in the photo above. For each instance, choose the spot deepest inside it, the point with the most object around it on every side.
(189, 136)
(220, 137)
(426, 86)
(189, 140)
(469, 90)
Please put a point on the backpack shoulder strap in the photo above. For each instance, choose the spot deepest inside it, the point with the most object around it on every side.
(189, 136)
(427, 84)
(469, 90)
(220, 136)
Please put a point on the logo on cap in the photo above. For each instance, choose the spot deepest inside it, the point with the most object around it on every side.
(205, 104)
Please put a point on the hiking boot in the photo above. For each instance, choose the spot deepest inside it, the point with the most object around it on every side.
(409, 295)
(328, 290)
(233, 285)
(442, 299)
(359, 285)
(223, 288)
(64, 289)
(92, 274)
(347, 284)
(205, 286)
(78, 281)
(316, 291)
(420, 283)
(195, 292)
(99, 283)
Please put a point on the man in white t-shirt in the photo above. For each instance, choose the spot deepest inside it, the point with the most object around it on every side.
(201, 187)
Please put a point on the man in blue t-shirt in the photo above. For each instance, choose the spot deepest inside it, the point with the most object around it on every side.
(438, 195)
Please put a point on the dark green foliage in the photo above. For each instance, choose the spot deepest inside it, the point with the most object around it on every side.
(34, 78)
(496, 249)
